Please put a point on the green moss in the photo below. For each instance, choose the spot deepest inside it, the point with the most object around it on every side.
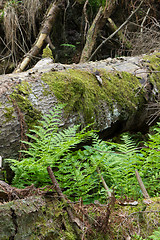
(20, 97)
(9, 113)
(152, 62)
(47, 53)
(82, 93)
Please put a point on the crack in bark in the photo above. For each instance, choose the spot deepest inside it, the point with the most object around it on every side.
(14, 219)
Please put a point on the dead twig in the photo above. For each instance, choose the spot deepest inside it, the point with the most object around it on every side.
(104, 183)
(144, 191)
(76, 221)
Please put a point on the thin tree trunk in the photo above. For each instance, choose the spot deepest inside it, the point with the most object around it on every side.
(49, 21)
(97, 25)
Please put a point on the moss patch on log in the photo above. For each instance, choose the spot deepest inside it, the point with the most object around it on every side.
(9, 113)
(152, 62)
(47, 53)
(20, 99)
(46, 218)
(82, 93)
(35, 218)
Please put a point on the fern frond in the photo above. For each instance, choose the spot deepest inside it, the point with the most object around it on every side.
(127, 146)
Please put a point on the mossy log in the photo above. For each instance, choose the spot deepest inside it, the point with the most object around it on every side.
(117, 103)
(45, 217)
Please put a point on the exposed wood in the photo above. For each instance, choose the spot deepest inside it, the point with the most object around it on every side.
(48, 23)
(144, 191)
(8, 193)
(142, 24)
(56, 185)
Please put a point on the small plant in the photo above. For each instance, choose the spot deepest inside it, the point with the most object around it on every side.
(155, 235)
(137, 237)
(48, 146)
(78, 171)
(151, 162)
(73, 47)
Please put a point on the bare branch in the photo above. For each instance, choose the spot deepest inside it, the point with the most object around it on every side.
(113, 34)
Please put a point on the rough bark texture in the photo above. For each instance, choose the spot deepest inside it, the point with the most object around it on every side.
(34, 218)
(119, 104)
(45, 218)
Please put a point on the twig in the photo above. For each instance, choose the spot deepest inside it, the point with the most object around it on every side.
(113, 34)
(104, 183)
(0, 162)
(86, 19)
(151, 211)
(73, 219)
(144, 191)
(145, 19)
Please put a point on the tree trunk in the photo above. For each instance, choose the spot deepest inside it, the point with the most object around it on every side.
(97, 25)
(118, 104)
(49, 21)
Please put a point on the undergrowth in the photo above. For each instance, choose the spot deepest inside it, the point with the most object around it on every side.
(76, 168)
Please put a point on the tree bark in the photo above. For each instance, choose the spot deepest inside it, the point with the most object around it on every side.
(49, 21)
(97, 25)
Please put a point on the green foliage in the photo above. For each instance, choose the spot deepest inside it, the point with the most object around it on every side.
(13, 3)
(151, 162)
(47, 147)
(73, 47)
(97, 3)
(123, 168)
(76, 170)
(137, 237)
(155, 235)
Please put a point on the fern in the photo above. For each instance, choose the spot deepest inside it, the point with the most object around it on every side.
(49, 145)
(155, 235)
(151, 162)
(76, 171)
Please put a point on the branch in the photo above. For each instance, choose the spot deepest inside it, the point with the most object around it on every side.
(104, 183)
(60, 194)
(44, 33)
(144, 191)
(113, 34)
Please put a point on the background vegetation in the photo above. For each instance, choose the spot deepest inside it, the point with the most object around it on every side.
(21, 21)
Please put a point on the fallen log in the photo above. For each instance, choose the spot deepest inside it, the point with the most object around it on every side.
(113, 94)
(44, 217)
